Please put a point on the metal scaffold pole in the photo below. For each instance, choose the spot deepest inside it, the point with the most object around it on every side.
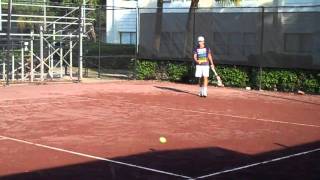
(31, 58)
(81, 20)
(9, 44)
(41, 55)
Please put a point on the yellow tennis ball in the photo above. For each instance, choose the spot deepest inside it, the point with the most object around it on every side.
(162, 140)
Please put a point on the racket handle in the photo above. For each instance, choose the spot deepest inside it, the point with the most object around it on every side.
(214, 71)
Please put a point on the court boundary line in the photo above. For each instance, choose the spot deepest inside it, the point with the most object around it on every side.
(186, 110)
(219, 114)
(43, 103)
(257, 164)
(95, 157)
(229, 115)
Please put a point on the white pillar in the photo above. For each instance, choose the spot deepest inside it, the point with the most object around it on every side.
(12, 66)
(80, 43)
(70, 57)
(50, 63)
(61, 61)
(31, 58)
(3, 71)
(45, 15)
(22, 62)
(41, 55)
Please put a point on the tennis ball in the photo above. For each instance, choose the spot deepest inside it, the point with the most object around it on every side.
(162, 140)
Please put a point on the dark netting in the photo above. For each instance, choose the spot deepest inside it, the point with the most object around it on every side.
(168, 39)
(284, 37)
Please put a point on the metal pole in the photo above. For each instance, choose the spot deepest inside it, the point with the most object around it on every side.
(9, 38)
(70, 57)
(49, 60)
(3, 71)
(99, 40)
(80, 44)
(41, 55)
(12, 68)
(31, 57)
(54, 34)
(61, 60)
(261, 47)
(137, 40)
(22, 61)
(44, 15)
(84, 15)
(137, 30)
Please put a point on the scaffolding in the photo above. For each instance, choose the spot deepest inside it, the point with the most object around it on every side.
(49, 50)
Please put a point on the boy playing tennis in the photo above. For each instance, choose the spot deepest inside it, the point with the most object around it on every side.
(202, 55)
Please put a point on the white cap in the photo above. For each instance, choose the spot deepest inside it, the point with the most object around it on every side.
(200, 38)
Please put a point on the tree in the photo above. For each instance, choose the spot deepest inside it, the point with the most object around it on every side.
(158, 27)
(189, 28)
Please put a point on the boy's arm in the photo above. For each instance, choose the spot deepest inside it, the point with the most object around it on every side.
(195, 58)
(210, 58)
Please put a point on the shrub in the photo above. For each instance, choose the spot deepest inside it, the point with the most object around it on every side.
(232, 76)
(177, 71)
(145, 69)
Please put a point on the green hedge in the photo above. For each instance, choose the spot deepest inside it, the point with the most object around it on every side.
(233, 76)
(145, 70)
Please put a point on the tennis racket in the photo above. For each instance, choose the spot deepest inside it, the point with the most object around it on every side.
(217, 76)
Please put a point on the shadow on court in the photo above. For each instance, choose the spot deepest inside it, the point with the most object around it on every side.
(284, 98)
(175, 90)
(192, 163)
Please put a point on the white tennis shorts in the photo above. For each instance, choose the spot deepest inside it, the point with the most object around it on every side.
(202, 71)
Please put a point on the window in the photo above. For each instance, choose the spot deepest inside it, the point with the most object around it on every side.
(298, 42)
(127, 38)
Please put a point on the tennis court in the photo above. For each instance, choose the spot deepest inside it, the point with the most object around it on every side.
(111, 131)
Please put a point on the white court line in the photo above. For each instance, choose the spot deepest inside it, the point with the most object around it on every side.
(257, 164)
(229, 115)
(95, 157)
(220, 114)
(43, 103)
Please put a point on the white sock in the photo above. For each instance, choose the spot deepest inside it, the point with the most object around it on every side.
(201, 91)
(205, 91)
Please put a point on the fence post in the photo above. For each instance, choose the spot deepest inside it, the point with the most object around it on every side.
(137, 41)
(41, 55)
(9, 43)
(31, 57)
(261, 45)
(99, 41)
(81, 26)
(22, 61)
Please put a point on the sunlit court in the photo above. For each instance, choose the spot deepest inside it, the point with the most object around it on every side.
(112, 130)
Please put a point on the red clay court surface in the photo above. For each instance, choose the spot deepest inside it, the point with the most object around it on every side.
(111, 131)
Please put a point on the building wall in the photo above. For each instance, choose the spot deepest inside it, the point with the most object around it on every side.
(121, 21)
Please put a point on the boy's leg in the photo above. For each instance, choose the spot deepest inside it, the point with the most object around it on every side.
(205, 86)
(201, 86)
